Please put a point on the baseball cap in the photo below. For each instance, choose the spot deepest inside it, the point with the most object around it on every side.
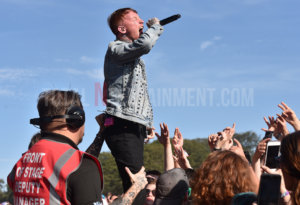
(171, 187)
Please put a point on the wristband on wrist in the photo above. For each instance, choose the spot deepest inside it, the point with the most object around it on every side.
(285, 194)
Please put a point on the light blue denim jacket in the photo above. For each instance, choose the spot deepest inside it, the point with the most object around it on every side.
(125, 77)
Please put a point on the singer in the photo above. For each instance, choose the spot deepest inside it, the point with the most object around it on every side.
(128, 109)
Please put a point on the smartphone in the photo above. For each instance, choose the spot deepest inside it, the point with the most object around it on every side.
(272, 152)
(268, 134)
(269, 189)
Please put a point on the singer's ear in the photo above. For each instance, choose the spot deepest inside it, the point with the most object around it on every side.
(122, 29)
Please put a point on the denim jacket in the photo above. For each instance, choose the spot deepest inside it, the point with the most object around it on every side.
(125, 78)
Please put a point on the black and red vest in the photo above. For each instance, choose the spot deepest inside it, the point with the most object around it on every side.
(40, 176)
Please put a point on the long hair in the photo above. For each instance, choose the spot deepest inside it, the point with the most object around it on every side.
(222, 175)
(290, 162)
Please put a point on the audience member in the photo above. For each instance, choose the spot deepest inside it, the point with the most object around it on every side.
(172, 188)
(164, 139)
(152, 175)
(290, 164)
(150, 192)
(221, 176)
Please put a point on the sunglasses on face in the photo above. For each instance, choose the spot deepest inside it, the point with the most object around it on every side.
(148, 192)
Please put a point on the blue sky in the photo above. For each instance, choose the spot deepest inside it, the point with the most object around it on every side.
(222, 62)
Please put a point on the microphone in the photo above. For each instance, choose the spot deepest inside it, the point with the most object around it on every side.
(169, 19)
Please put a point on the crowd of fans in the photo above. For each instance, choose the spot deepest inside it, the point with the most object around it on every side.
(226, 176)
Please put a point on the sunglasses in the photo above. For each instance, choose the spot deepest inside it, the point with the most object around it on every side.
(148, 192)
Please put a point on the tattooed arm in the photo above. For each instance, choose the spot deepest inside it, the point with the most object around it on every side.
(138, 181)
(95, 148)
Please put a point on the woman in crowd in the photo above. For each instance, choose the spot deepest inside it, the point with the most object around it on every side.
(150, 192)
(290, 164)
(221, 176)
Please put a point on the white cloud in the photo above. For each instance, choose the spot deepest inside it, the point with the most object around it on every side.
(6, 92)
(93, 73)
(88, 60)
(29, 3)
(253, 2)
(217, 38)
(62, 60)
(204, 45)
(16, 74)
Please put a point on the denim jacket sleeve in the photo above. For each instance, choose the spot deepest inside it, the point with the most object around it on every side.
(125, 52)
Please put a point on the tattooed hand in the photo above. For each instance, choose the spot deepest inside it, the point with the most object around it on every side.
(138, 179)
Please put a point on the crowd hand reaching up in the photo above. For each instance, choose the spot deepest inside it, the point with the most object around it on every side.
(164, 137)
(261, 149)
(150, 134)
(258, 156)
(152, 21)
(290, 116)
(281, 126)
(100, 120)
(229, 131)
(212, 141)
(177, 140)
(273, 127)
(139, 179)
(181, 159)
(238, 149)
(271, 123)
(95, 148)
(222, 140)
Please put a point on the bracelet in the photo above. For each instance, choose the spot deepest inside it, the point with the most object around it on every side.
(285, 194)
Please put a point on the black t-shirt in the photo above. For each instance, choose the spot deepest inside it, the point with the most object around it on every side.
(84, 184)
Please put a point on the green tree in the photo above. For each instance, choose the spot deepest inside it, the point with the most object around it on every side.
(112, 180)
(249, 140)
(6, 193)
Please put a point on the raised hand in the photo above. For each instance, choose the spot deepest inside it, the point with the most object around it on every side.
(281, 127)
(238, 149)
(290, 116)
(164, 137)
(139, 179)
(229, 131)
(150, 135)
(261, 148)
(177, 140)
(271, 123)
(181, 158)
(212, 141)
(100, 119)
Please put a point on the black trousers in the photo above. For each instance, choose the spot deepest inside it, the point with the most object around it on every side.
(125, 140)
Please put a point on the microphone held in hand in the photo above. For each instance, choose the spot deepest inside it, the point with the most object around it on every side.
(169, 19)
